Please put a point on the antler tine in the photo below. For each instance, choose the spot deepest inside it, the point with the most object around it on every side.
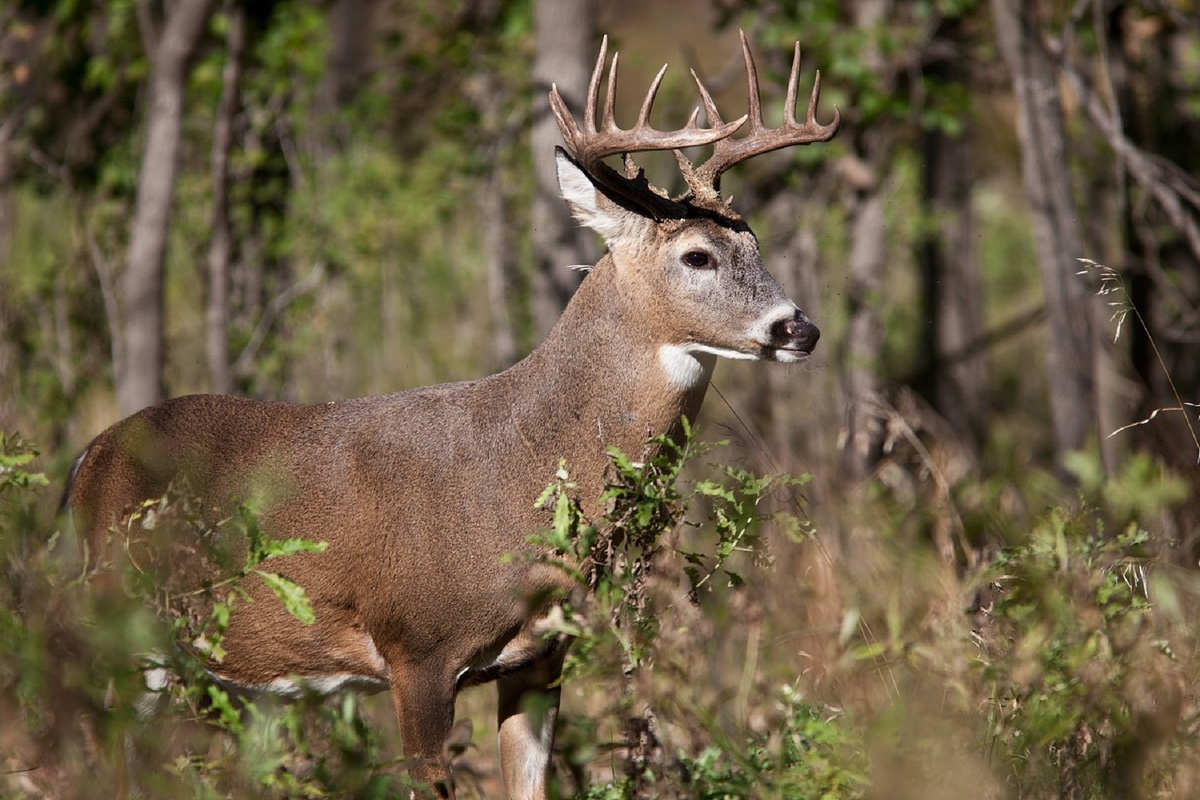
(756, 123)
(564, 118)
(789, 104)
(810, 118)
(644, 114)
(710, 108)
(609, 123)
(593, 94)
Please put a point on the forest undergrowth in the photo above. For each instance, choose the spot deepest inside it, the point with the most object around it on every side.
(725, 646)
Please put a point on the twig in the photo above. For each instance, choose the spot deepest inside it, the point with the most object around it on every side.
(51, 166)
(277, 306)
(995, 336)
(19, 770)
(108, 295)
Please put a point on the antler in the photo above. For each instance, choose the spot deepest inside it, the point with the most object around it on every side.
(705, 180)
(592, 144)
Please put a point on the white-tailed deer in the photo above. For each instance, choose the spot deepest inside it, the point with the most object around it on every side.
(421, 494)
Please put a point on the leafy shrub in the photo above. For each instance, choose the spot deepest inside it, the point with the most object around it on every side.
(1086, 656)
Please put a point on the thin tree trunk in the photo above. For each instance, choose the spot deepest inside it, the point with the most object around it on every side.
(565, 49)
(1056, 228)
(8, 130)
(861, 360)
(952, 287)
(790, 403)
(8, 359)
(141, 381)
(220, 371)
(349, 23)
(496, 224)
(864, 337)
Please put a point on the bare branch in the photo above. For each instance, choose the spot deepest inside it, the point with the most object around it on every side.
(108, 293)
(279, 304)
(1160, 178)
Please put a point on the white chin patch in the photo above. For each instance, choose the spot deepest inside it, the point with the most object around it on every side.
(788, 356)
(723, 352)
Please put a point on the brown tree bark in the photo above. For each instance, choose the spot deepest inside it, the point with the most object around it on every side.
(494, 219)
(565, 50)
(220, 248)
(864, 337)
(951, 286)
(346, 67)
(141, 382)
(1057, 232)
(8, 129)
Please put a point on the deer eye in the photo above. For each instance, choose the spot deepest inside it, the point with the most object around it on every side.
(697, 259)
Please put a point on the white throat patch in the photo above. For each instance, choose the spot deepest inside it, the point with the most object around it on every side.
(685, 369)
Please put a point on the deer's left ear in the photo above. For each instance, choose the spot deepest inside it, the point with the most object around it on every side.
(593, 208)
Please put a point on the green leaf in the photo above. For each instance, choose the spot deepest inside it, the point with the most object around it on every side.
(622, 462)
(714, 489)
(868, 651)
(227, 716)
(291, 594)
(562, 519)
(272, 548)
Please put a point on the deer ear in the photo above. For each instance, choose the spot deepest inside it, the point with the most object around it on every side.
(591, 207)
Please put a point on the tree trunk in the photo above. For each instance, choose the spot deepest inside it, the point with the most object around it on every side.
(792, 406)
(864, 336)
(565, 48)
(495, 222)
(863, 347)
(951, 287)
(141, 383)
(8, 129)
(346, 68)
(8, 356)
(220, 370)
(1056, 227)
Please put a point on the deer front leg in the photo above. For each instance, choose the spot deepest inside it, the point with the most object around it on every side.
(425, 707)
(527, 713)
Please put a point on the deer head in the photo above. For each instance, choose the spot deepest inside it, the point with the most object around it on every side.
(691, 263)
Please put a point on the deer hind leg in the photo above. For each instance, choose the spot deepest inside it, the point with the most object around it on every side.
(425, 707)
(528, 710)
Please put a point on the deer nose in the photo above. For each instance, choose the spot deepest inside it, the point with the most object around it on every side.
(796, 333)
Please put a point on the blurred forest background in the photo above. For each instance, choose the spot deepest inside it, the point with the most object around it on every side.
(308, 200)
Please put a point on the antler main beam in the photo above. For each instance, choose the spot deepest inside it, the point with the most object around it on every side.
(759, 139)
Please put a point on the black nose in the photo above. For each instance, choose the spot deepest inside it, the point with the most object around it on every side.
(796, 333)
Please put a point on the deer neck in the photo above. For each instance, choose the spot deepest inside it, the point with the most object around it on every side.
(603, 377)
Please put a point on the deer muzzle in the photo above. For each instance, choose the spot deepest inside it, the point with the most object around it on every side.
(793, 336)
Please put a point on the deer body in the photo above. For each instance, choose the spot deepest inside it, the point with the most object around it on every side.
(421, 495)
